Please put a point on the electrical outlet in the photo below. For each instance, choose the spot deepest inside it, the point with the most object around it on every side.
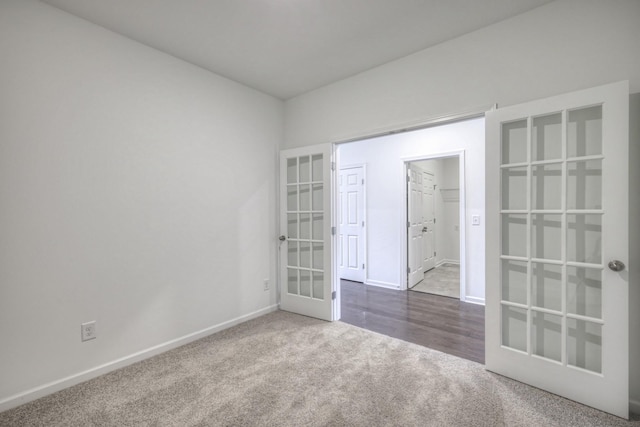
(266, 284)
(88, 330)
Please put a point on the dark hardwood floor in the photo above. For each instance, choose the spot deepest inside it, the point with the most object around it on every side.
(441, 323)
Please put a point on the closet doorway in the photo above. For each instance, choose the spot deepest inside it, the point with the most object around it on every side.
(434, 216)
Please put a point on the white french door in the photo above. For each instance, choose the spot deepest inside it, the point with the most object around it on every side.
(351, 224)
(415, 225)
(557, 238)
(305, 232)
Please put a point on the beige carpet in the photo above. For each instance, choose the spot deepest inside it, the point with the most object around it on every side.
(443, 280)
(288, 370)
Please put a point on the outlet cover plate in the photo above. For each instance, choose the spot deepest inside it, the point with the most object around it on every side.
(88, 330)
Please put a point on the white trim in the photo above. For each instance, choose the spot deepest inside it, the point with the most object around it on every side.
(474, 300)
(57, 385)
(409, 126)
(447, 261)
(382, 284)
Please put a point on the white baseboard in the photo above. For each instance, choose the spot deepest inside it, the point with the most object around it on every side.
(474, 300)
(54, 386)
(634, 406)
(448, 261)
(382, 284)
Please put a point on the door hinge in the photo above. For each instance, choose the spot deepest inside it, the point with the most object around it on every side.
(333, 231)
(408, 224)
(363, 266)
(362, 181)
(363, 223)
(408, 178)
(333, 166)
(434, 220)
(333, 295)
(434, 253)
(408, 269)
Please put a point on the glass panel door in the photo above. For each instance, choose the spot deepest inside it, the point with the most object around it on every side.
(305, 256)
(557, 213)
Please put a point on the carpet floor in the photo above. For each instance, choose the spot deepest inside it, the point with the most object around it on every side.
(288, 370)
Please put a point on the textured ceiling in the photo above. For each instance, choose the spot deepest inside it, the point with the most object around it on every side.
(288, 47)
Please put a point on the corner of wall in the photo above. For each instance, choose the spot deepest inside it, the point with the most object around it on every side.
(634, 252)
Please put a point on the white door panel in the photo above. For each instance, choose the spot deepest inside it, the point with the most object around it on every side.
(429, 226)
(557, 213)
(351, 225)
(305, 229)
(415, 224)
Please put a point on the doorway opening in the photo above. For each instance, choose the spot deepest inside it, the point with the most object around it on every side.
(381, 300)
(435, 218)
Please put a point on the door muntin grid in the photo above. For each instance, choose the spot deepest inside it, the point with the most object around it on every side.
(305, 226)
(551, 237)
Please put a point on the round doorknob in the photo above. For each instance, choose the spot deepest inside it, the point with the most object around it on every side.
(282, 238)
(616, 265)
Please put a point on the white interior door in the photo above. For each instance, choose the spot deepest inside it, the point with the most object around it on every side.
(305, 228)
(557, 221)
(415, 225)
(351, 224)
(429, 223)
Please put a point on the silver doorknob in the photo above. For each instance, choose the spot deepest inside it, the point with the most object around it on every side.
(282, 238)
(616, 265)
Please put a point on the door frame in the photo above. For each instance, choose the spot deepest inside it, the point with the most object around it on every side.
(364, 213)
(460, 154)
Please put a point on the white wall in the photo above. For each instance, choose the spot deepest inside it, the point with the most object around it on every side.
(559, 47)
(136, 190)
(384, 157)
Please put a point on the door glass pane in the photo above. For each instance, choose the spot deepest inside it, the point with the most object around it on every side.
(546, 286)
(305, 283)
(546, 236)
(514, 235)
(292, 170)
(514, 142)
(318, 256)
(584, 185)
(584, 345)
(514, 188)
(317, 197)
(546, 140)
(546, 335)
(514, 281)
(514, 328)
(318, 168)
(305, 226)
(292, 281)
(584, 132)
(305, 197)
(305, 169)
(305, 254)
(584, 238)
(318, 285)
(292, 198)
(318, 226)
(546, 187)
(292, 254)
(292, 226)
(584, 291)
